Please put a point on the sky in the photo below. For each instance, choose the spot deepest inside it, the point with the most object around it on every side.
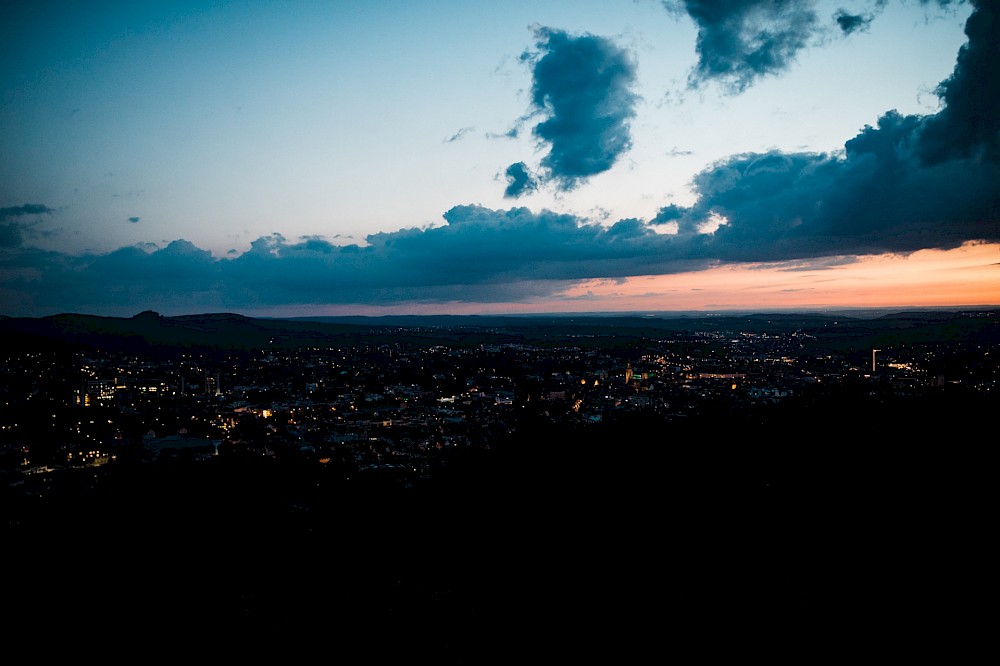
(378, 157)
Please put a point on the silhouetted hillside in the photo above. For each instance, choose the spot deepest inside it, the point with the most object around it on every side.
(149, 330)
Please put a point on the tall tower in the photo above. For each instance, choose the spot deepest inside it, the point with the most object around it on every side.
(628, 373)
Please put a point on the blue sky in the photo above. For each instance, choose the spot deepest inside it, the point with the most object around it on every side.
(450, 156)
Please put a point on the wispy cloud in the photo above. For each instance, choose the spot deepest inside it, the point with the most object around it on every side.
(459, 135)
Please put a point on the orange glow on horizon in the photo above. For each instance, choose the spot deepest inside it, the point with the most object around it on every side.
(969, 275)
(965, 276)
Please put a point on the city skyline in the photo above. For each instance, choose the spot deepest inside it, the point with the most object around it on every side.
(456, 158)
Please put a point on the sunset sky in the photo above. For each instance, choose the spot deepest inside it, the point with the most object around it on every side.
(454, 156)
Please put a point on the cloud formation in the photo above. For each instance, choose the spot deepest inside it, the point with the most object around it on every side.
(520, 181)
(851, 23)
(25, 209)
(585, 86)
(12, 226)
(877, 197)
(740, 41)
(908, 183)
(968, 126)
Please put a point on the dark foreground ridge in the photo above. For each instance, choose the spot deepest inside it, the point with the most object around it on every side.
(839, 520)
(782, 535)
(786, 542)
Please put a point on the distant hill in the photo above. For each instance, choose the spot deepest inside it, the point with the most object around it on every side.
(149, 331)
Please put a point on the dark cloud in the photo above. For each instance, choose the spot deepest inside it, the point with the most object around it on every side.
(909, 183)
(12, 226)
(134, 219)
(672, 214)
(318, 245)
(878, 197)
(584, 84)
(10, 235)
(968, 126)
(491, 256)
(851, 23)
(520, 181)
(179, 276)
(26, 209)
(740, 41)
(669, 214)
